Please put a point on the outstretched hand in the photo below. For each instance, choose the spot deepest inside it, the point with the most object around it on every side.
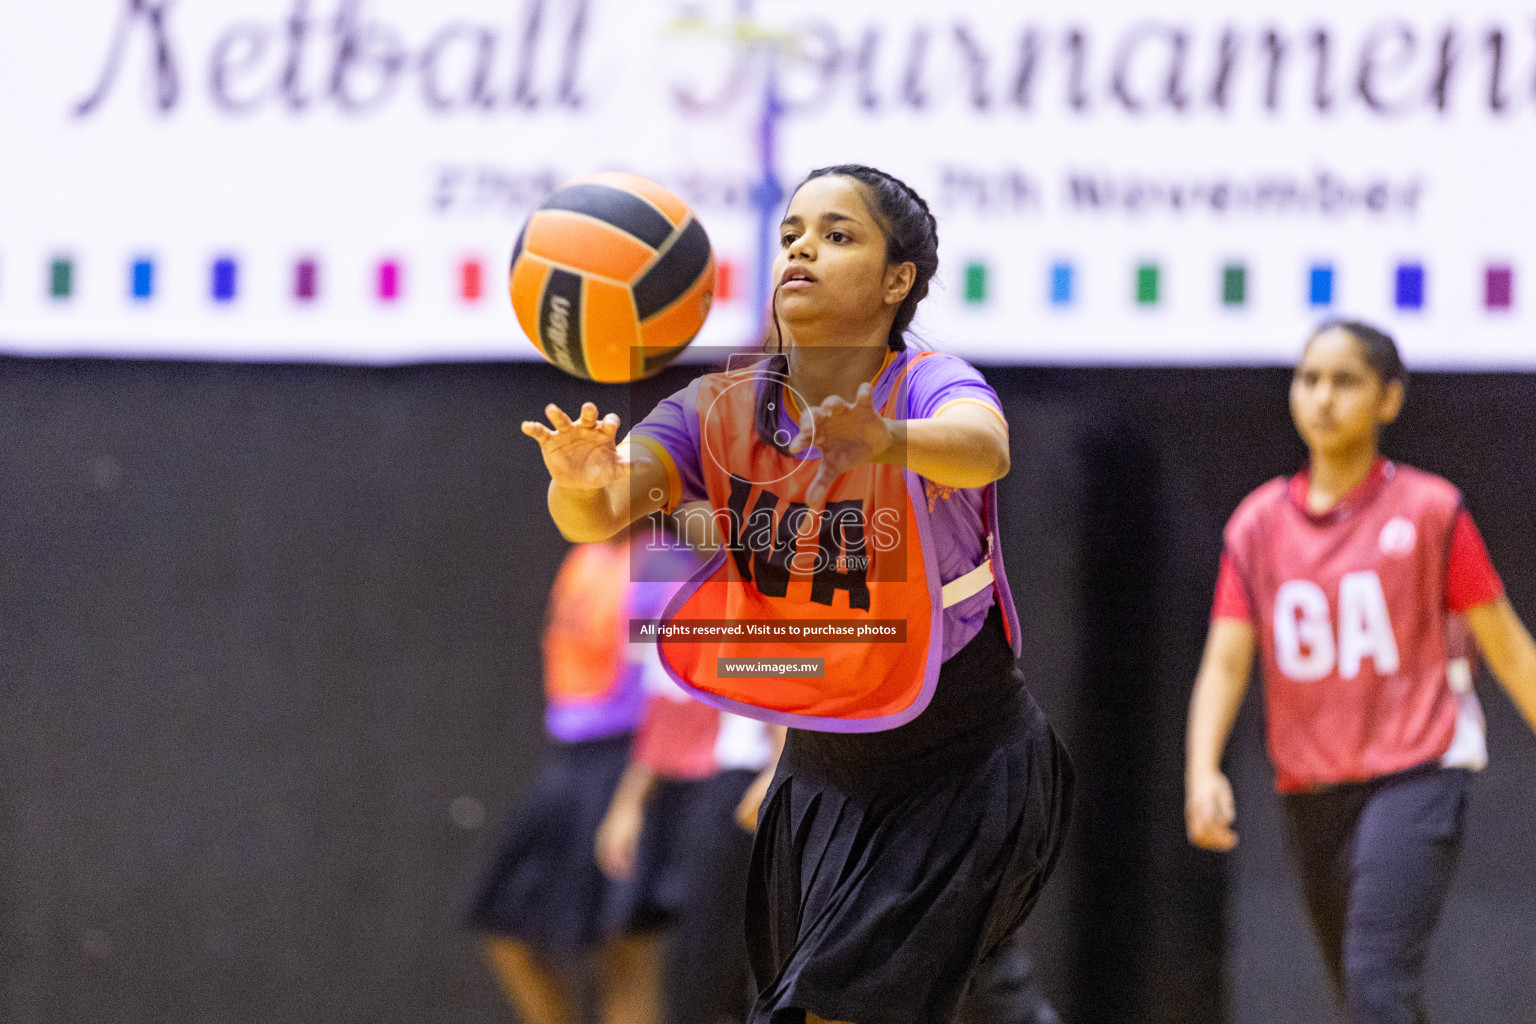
(848, 435)
(580, 453)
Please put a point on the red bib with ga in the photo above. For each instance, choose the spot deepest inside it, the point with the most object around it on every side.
(1351, 615)
(865, 557)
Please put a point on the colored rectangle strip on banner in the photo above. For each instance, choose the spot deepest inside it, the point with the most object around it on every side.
(1061, 284)
(975, 282)
(1234, 284)
(224, 285)
(1147, 282)
(1408, 289)
(1499, 287)
(306, 280)
(725, 281)
(389, 280)
(61, 278)
(471, 280)
(141, 279)
(1320, 285)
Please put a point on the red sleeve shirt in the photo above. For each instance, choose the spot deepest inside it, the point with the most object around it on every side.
(1471, 579)
(1231, 597)
(676, 738)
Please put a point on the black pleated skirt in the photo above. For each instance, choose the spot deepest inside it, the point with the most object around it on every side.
(543, 886)
(887, 867)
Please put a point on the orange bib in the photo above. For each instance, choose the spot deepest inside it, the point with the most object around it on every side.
(584, 631)
(863, 559)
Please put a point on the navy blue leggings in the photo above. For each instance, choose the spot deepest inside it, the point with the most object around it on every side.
(1376, 861)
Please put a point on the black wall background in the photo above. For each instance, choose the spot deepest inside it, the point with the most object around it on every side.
(262, 626)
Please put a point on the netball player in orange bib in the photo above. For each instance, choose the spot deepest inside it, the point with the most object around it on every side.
(919, 803)
(1351, 581)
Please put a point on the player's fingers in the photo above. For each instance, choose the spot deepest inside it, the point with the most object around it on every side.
(623, 863)
(610, 852)
(747, 810)
(609, 424)
(1212, 835)
(588, 414)
(538, 431)
(835, 403)
(866, 395)
(1198, 816)
(600, 848)
(807, 434)
(1226, 807)
(612, 868)
(1200, 836)
(816, 494)
(832, 465)
(557, 417)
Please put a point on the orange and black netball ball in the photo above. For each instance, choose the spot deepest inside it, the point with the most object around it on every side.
(612, 277)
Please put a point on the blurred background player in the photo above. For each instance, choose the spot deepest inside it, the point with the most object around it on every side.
(1346, 580)
(543, 904)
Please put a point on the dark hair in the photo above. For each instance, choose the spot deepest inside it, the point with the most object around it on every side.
(1376, 346)
(911, 236)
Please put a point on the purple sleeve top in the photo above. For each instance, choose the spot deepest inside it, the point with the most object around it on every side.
(956, 513)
